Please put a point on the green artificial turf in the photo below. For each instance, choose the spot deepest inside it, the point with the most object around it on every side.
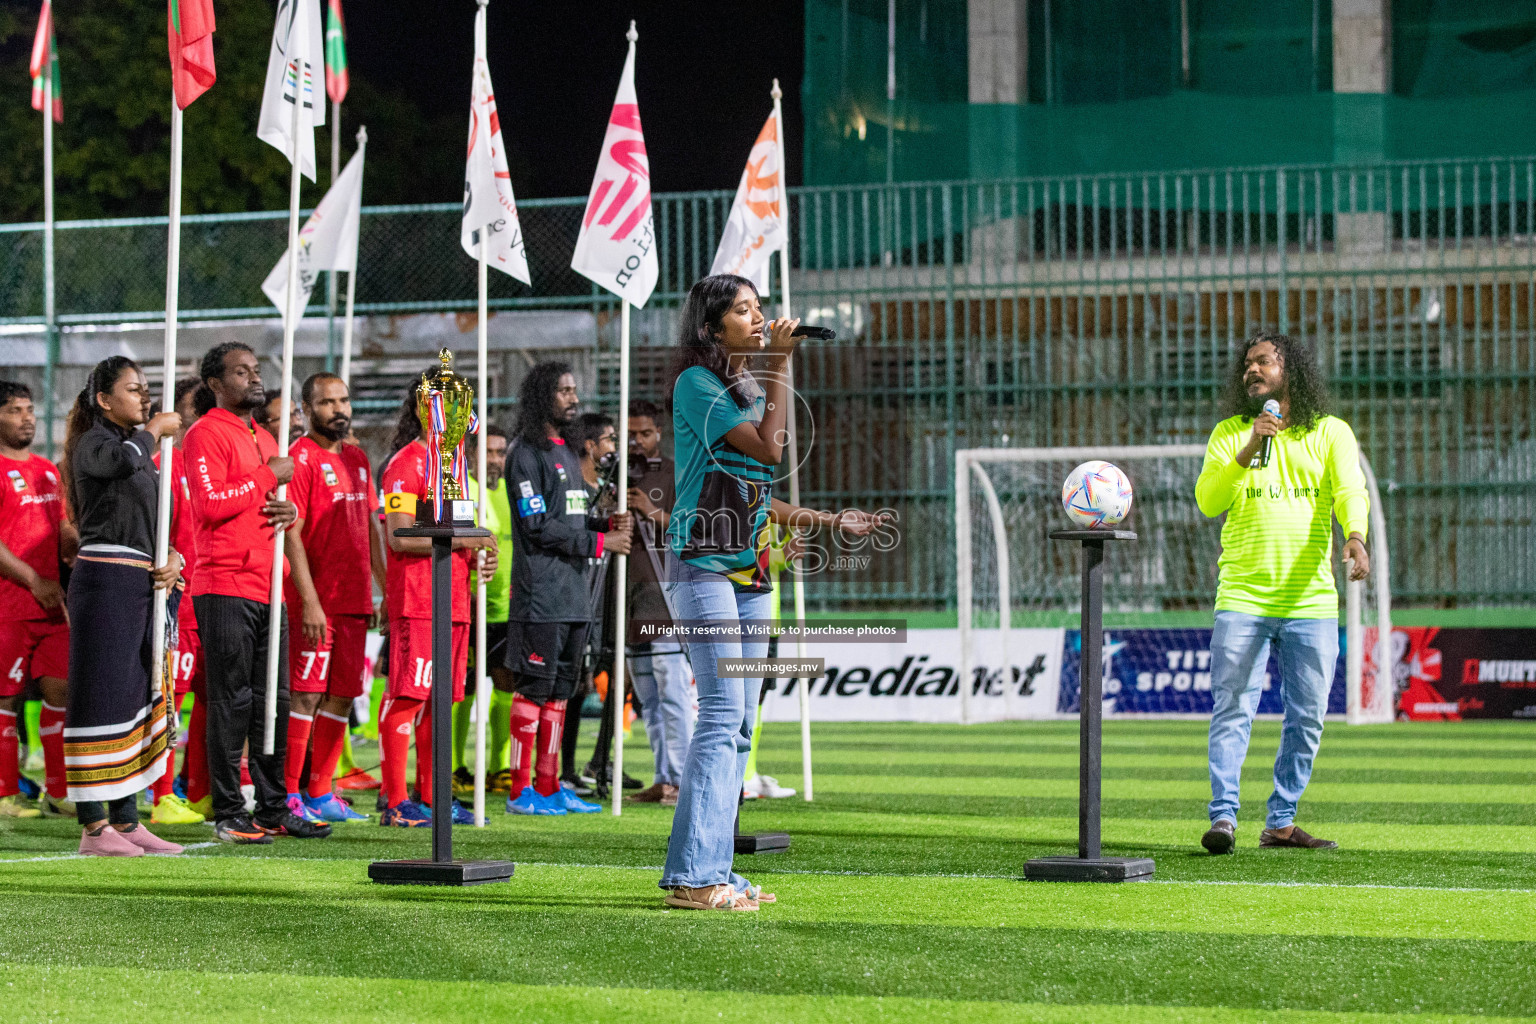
(899, 900)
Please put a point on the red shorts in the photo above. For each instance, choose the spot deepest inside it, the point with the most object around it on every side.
(32, 649)
(189, 663)
(410, 658)
(335, 666)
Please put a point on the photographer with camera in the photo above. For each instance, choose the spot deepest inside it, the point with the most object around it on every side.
(658, 669)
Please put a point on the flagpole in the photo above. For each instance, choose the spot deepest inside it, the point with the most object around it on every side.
(482, 671)
(290, 322)
(50, 313)
(794, 440)
(346, 329)
(330, 277)
(620, 563)
(168, 392)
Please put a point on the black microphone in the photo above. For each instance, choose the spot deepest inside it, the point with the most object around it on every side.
(817, 333)
(1267, 444)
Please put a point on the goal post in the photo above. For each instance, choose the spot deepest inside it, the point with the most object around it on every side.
(1008, 499)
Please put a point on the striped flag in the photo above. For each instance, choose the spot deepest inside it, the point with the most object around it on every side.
(335, 53)
(293, 64)
(189, 36)
(45, 55)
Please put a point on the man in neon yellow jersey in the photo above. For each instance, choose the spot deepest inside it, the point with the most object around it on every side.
(1280, 480)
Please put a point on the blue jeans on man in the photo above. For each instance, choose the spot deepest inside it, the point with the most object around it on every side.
(1308, 650)
(662, 681)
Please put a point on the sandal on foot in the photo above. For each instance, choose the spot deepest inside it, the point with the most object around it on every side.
(710, 897)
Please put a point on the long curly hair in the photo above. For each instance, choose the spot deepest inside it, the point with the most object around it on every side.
(708, 301)
(407, 423)
(1304, 383)
(86, 413)
(536, 403)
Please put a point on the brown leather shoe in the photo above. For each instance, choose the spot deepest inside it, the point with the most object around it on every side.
(1221, 837)
(651, 794)
(1296, 838)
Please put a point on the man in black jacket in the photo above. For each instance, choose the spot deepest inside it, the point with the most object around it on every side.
(554, 537)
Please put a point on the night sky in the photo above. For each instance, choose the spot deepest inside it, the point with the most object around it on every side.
(703, 74)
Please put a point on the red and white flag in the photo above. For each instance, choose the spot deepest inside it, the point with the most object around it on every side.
(755, 229)
(488, 202)
(617, 245)
(45, 61)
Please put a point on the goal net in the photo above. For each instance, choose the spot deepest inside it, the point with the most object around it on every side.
(1159, 590)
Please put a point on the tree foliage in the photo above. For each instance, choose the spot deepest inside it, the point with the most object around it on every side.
(112, 153)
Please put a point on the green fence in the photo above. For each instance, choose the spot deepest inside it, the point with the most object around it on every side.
(1031, 312)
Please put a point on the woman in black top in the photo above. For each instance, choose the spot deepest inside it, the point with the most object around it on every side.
(116, 728)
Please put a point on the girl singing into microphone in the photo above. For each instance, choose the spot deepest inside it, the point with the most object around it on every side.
(730, 433)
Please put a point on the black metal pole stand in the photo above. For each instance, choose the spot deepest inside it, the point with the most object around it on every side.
(442, 869)
(760, 842)
(1089, 865)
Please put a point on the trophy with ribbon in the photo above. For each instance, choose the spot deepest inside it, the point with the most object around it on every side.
(445, 405)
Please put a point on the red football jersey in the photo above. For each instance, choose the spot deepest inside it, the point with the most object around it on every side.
(31, 509)
(183, 535)
(408, 590)
(335, 499)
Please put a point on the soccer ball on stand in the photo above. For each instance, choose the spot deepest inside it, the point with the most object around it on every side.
(1097, 495)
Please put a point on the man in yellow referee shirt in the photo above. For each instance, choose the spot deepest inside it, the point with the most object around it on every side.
(1276, 575)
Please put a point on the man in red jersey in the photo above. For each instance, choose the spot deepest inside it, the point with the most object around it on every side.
(336, 555)
(173, 807)
(34, 630)
(409, 599)
(235, 471)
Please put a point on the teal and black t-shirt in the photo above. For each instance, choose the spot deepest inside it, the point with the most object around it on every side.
(720, 520)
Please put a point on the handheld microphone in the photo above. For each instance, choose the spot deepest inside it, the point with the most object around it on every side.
(816, 333)
(1273, 408)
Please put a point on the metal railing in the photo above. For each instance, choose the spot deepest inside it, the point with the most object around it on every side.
(1041, 312)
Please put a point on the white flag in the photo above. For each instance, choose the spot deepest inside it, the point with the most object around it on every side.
(755, 229)
(327, 241)
(296, 63)
(488, 201)
(617, 245)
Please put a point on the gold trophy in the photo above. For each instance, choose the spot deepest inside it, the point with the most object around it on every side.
(458, 402)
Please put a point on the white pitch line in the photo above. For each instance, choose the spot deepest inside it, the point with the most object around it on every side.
(865, 874)
(82, 856)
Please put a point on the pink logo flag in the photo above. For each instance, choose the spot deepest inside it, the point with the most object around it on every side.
(617, 245)
(755, 229)
(488, 201)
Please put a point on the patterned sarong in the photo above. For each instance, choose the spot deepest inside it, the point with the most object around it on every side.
(115, 730)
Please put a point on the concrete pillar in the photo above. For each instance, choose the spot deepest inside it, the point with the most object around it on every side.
(998, 48)
(998, 62)
(1362, 83)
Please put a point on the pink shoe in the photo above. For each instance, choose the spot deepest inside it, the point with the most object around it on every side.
(109, 843)
(147, 841)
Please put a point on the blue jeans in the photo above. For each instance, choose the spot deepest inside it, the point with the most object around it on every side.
(1309, 651)
(663, 682)
(703, 841)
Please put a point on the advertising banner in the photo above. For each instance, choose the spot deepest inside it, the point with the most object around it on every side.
(1168, 671)
(915, 681)
(1453, 674)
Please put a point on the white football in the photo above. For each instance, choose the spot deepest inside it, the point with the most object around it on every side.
(1097, 495)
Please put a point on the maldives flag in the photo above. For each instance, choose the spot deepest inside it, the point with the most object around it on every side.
(189, 36)
(45, 55)
(617, 245)
(335, 53)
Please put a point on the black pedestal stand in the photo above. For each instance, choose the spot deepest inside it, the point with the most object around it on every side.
(442, 869)
(758, 842)
(1089, 865)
